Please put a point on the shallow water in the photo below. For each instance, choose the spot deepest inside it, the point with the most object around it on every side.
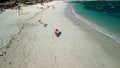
(104, 16)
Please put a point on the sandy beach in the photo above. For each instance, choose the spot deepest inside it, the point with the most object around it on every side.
(31, 45)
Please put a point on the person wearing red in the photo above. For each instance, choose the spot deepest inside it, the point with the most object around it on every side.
(57, 32)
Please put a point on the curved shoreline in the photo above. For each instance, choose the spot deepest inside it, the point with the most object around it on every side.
(89, 23)
(109, 45)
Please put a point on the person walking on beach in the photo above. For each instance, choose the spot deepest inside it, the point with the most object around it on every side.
(1, 9)
(19, 9)
(53, 7)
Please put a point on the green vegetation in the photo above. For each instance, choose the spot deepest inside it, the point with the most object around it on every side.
(2, 1)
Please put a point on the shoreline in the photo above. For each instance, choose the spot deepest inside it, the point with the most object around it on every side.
(93, 26)
(106, 42)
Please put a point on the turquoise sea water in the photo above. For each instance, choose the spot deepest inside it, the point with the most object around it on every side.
(106, 15)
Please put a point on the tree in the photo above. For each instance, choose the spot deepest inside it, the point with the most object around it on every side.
(1, 1)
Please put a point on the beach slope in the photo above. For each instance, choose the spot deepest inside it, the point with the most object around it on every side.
(79, 46)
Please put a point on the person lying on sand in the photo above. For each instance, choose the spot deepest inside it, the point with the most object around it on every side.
(58, 33)
(42, 23)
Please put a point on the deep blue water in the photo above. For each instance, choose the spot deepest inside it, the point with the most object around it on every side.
(105, 14)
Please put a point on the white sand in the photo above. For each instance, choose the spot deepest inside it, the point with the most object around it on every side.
(36, 46)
